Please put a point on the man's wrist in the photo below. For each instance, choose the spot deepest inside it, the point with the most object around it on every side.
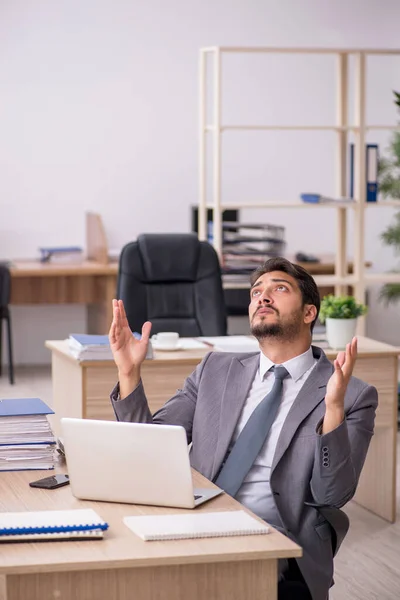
(334, 416)
(128, 382)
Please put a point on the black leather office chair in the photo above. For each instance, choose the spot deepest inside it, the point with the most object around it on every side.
(5, 291)
(174, 281)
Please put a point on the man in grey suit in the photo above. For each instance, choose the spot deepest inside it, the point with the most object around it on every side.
(312, 421)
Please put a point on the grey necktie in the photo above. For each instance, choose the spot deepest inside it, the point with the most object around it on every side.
(252, 437)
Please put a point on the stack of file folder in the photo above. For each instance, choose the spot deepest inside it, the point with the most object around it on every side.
(89, 347)
(26, 439)
(85, 346)
(248, 245)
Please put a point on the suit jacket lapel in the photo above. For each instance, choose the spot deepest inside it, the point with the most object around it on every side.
(310, 395)
(239, 380)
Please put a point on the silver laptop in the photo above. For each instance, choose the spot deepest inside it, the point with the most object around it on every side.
(130, 462)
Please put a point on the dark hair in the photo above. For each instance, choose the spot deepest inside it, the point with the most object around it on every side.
(305, 281)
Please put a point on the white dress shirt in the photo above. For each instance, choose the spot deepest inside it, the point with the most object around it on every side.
(255, 492)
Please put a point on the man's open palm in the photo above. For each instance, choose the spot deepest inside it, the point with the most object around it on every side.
(128, 352)
(337, 384)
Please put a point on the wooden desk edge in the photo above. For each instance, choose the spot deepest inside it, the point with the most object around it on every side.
(294, 552)
(330, 353)
(21, 268)
(60, 347)
(195, 355)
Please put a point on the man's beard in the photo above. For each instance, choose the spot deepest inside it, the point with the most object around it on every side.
(285, 331)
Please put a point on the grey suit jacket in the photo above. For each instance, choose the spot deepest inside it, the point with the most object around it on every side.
(308, 471)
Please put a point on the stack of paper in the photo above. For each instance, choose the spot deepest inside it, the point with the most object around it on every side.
(94, 347)
(26, 439)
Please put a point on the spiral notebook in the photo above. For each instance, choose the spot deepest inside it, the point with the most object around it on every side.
(51, 525)
(195, 525)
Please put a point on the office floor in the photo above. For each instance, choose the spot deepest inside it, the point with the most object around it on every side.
(367, 567)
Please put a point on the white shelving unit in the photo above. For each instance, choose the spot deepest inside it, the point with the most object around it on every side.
(359, 279)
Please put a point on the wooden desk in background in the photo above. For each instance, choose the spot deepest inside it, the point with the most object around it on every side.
(124, 567)
(91, 283)
(82, 389)
(94, 284)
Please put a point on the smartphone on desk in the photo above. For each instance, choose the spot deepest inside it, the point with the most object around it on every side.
(51, 483)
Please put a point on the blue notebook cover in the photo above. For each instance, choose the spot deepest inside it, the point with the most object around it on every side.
(16, 407)
(87, 339)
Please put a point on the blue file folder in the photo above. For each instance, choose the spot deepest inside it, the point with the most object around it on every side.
(16, 407)
(371, 172)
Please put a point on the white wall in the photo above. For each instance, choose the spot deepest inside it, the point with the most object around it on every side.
(98, 110)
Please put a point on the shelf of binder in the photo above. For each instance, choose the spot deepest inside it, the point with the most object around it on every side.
(211, 77)
(247, 245)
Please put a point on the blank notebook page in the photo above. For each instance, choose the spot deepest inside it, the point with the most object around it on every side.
(200, 525)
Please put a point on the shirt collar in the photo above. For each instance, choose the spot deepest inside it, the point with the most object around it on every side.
(296, 366)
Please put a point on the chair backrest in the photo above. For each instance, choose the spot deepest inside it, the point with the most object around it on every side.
(5, 286)
(174, 281)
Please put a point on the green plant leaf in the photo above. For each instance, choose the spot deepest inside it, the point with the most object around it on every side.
(395, 148)
(340, 307)
(391, 235)
(390, 293)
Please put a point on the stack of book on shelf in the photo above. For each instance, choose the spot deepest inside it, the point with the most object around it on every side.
(246, 246)
(26, 439)
(85, 346)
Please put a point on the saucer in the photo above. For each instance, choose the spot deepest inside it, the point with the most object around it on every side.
(164, 348)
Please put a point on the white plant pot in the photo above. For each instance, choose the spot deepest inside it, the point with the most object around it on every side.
(340, 332)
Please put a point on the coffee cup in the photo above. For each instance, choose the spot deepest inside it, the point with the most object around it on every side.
(166, 339)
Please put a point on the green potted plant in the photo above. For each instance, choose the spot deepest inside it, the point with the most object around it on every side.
(389, 187)
(340, 314)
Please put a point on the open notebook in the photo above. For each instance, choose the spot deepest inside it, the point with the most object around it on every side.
(195, 525)
(51, 525)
